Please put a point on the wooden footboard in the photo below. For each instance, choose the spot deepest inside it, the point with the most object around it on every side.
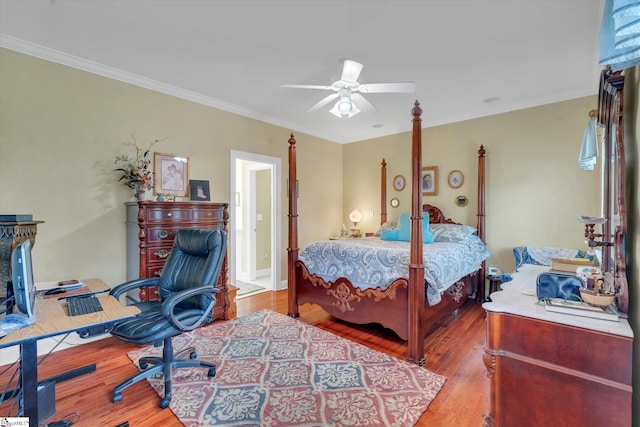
(388, 308)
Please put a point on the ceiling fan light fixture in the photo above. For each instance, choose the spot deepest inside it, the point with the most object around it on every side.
(344, 107)
(354, 109)
(348, 91)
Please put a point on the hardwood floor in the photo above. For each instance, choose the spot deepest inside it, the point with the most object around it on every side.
(453, 349)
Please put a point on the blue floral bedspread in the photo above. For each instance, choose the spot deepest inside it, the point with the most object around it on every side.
(371, 262)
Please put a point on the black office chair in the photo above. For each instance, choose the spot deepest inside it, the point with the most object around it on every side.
(187, 287)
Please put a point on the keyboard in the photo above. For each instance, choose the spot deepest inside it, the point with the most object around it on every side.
(83, 305)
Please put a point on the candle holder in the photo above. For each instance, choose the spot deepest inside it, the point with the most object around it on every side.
(589, 231)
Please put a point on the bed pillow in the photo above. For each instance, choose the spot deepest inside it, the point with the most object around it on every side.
(389, 234)
(389, 225)
(451, 232)
(403, 231)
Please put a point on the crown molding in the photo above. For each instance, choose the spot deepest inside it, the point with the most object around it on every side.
(58, 57)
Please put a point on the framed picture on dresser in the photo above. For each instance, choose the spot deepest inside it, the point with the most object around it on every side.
(199, 190)
(171, 175)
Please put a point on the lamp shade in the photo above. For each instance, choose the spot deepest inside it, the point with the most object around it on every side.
(355, 216)
(620, 34)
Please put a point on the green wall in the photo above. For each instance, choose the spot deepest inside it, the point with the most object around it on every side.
(61, 128)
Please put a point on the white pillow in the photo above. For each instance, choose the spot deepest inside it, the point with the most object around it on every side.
(451, 232)
(389, 225)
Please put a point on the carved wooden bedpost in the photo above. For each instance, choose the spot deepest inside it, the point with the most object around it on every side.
(481, 221)
(416, 261)
(292, 249)
(383, 192)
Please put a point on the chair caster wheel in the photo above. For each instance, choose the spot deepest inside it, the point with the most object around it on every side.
(212, 372)
(117, 397)
(164, 402)
(143, 365)
(192, 355)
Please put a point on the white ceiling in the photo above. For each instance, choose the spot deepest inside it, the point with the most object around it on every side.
(234, 55)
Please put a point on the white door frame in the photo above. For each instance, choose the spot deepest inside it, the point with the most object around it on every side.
(276, 255)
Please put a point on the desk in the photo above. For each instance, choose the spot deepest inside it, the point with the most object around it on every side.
(53, 319)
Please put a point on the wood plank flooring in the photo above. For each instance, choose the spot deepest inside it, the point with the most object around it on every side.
(453, 349)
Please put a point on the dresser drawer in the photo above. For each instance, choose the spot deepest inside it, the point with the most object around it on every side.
(208, 214)
(168, 214)
(163, 233)
(154, 269)
(158, 253)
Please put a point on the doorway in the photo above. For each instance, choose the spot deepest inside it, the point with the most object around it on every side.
(254, 223)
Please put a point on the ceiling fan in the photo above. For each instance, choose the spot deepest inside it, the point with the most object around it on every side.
(348, 91)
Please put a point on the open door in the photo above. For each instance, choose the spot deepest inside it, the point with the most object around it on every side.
(254, 223)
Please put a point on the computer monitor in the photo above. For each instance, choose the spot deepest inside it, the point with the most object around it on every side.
(22, 277)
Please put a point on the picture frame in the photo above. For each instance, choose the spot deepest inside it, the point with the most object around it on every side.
(429, 180)
(199, 190)
(394, 202)
(399, 182)
(456, 179)
(171, 174)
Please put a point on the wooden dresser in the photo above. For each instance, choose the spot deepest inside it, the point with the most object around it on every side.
(553, 369)
(151, 228)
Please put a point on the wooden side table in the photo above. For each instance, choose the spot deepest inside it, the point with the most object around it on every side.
(494, 285)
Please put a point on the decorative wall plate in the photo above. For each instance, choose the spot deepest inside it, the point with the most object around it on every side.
(462, 201)
(394, 202)
(399, 182)
(456, 179)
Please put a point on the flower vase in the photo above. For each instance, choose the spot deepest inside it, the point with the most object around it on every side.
(138, 190)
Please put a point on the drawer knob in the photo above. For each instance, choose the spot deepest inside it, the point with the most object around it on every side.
(169, 214)
(162, 253)
(163, 234)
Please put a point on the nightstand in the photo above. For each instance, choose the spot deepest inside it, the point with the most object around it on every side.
(494, 285)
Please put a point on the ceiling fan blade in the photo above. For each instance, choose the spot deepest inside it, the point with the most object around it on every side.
(351, 70)
(324, 101)
(407, 87)
(307, 87)
(362, 103)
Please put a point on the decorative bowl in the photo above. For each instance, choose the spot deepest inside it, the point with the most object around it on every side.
(596, 298)
(591, 220)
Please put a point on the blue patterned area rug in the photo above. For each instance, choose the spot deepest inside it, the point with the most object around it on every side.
(273, 370)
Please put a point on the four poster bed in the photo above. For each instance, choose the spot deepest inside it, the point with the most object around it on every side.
(428, 282)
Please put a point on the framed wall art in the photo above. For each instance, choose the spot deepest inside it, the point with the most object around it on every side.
(399, 182)
(199, 190)
(429, 180)
(171, 174)
(456, 179)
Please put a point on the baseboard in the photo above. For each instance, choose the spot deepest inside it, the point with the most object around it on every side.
(282, 285)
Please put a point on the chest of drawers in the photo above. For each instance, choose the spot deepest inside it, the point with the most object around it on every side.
(554, 369)
(151, 228)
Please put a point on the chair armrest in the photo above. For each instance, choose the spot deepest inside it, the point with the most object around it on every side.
(133, 284)
(168, 306)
